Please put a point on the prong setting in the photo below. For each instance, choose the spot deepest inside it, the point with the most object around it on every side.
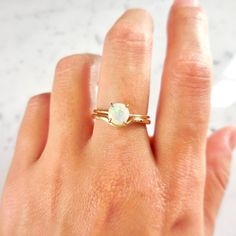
(118, 114)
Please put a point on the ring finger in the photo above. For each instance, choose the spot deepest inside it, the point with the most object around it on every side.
(125, 68)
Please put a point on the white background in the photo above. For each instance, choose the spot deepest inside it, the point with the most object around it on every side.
(35, 34)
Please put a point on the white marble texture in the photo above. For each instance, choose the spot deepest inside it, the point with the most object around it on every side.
(35, 34)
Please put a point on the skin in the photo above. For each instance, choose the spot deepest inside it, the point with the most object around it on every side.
(71, 175)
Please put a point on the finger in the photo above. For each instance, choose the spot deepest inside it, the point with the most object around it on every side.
(125, 68)
(72, 100)
(219, 153)
(183, 110)
(33, 132)
(182, 117)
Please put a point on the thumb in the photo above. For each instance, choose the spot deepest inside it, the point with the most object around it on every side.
(218, 153)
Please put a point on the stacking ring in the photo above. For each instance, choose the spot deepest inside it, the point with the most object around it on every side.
(118, 115)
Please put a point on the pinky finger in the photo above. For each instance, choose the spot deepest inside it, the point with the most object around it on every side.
(32, 136)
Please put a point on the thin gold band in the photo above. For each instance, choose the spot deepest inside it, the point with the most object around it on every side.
(101, 114)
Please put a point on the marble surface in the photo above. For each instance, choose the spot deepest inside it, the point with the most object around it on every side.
(34, 35)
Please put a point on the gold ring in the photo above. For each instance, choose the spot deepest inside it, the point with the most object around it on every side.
(118, 115)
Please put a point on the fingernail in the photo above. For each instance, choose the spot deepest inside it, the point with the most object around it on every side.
(186, 2)
(232, 141)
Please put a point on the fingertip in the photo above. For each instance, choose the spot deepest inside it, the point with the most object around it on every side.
(134, 25)
(185, 3)
(226, 136)
(221, 144)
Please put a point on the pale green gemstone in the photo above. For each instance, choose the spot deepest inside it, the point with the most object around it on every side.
(118, 114)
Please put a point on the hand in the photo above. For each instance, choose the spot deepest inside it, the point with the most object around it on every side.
(73, 176)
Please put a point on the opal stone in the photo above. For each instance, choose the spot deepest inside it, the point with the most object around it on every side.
(118, 114)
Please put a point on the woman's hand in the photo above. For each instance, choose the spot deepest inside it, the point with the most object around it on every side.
(71, 176)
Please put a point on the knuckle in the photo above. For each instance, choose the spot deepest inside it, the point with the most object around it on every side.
(65, 63)
(108, 186)
(123, 32)
(127, 37)
(115, 176)
(180, 222)
(190, 15)
(38, 100)
(73, 62)
(119, 175)
(192, 68)
(70, 68)
(193, 74)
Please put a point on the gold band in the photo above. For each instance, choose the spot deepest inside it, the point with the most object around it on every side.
(101, 114)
